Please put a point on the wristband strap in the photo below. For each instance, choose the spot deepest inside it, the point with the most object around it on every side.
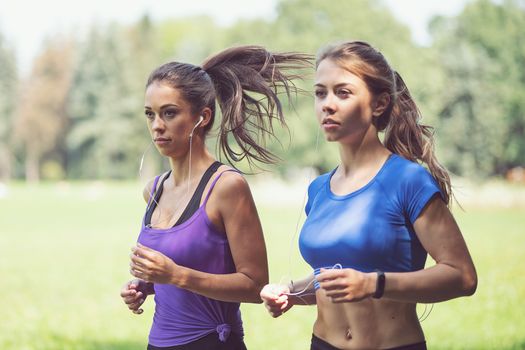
(380, 285)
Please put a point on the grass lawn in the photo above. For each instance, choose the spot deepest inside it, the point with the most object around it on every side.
(65, 254)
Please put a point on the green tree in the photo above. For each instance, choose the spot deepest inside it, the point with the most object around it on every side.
(8, 88)
(188, 40)
(143, 48)
(482, 115)
(104, 105)
(107, 135)
(308, 25)
(41, 120)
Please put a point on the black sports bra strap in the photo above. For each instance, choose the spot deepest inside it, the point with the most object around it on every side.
(195, 200)
(156, 192)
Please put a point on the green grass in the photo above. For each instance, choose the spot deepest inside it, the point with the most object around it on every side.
(64, 256)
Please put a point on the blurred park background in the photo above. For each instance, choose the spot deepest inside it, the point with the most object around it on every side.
(72, 133)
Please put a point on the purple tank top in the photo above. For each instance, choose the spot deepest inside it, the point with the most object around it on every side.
(182, 316)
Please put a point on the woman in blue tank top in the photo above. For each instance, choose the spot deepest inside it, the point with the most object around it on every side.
(201, 250)
(372, 220)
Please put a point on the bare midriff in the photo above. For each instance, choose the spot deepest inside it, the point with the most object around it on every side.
(367, 324)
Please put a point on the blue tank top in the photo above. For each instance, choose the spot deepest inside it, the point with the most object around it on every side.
(182, 316)
(371, 228)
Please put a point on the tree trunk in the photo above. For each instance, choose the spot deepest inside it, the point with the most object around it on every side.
(32, 167)
(5, 165)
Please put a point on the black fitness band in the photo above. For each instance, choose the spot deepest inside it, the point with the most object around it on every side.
(380, 284)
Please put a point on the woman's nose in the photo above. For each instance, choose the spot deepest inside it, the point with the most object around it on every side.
(157, 123)
(328, 105)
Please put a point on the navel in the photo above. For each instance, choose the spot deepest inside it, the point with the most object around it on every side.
(348, 334)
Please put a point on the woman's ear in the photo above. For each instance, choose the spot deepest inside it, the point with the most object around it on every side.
(380, 104)
(206, 115)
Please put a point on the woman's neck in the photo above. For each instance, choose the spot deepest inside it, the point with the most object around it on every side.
(366, 152)
(183, 171)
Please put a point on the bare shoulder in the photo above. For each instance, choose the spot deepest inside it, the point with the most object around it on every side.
(230, 183)
(149, 187)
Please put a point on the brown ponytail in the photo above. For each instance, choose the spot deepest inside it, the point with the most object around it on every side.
(247, 82)
(404, 134)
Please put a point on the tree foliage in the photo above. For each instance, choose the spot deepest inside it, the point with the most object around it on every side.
(482, 114)
(104, 106)
(308, 25)
(469, 84)
(41, 119)
(8, 88)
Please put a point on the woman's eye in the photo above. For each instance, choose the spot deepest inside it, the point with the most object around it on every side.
(149, 115)
(320, 93)
(170, 113)
(344, 93)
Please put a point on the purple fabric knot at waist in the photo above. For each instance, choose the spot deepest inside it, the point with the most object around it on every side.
(224, 331)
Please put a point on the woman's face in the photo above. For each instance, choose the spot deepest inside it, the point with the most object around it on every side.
(343, 103)
(169, 119)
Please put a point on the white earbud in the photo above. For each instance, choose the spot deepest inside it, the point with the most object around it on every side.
(200, 121)
(196, 125)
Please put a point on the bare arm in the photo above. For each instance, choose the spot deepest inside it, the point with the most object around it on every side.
(280, 298)
(454, 274)
(233, 201)
(147, 191)
(302, 292)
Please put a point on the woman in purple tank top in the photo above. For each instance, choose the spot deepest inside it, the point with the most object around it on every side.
(201, 249)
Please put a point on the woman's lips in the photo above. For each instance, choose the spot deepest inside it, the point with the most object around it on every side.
(162, 141)
(330, 124)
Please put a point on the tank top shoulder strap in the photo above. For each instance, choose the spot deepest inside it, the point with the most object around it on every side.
(214, 182)
(153, 188)
(157, 192)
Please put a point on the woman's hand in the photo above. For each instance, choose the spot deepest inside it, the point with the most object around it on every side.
(134, 294)
(347, 285)
(152, 266)
(275, 299)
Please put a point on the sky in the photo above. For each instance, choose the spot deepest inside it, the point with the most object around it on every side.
(24, 23)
